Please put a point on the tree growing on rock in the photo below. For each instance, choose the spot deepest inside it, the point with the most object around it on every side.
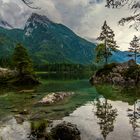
(134, 48)
(100, 52)
(22, 61)
(109, 44)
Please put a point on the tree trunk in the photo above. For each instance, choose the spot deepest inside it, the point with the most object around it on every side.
(106, 57)
(135, 57)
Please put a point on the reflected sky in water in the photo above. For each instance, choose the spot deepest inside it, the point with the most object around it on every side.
(115, 118)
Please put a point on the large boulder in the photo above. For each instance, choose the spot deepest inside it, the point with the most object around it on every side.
(52, 98)
(65, 131)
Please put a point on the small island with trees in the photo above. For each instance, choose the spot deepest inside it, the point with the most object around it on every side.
(124, 74)
(23, 72)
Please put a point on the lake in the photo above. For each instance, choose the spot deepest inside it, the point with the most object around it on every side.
(100, 112)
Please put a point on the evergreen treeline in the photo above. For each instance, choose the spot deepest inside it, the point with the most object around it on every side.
(65, 67)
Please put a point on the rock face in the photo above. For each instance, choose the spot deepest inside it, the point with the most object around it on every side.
(65, 131)
(52, 98)
(127, 73)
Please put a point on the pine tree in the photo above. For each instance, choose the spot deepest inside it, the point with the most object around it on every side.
(106, 115)
(100, 52)
(134, 48)
(22, 61)
(107, 36)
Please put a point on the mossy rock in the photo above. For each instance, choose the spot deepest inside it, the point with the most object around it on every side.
(106, 69)
(25, 80)
(65, 131)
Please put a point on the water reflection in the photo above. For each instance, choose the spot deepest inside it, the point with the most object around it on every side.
(134, 115)
(38, 130)
(106, 116)
(64, 76)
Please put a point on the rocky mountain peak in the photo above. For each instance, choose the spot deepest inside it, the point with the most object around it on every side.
(36, 18)
(35, 21)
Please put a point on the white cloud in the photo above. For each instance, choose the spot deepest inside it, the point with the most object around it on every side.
(85, 17)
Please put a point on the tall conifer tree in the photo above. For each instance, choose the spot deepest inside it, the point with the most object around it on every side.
(22, 61)
(107, 37)
(134, 48)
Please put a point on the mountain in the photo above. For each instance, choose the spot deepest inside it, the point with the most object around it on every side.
(49, 42)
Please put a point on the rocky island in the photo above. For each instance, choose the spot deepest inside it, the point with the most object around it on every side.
(124, 74)
(23, 73)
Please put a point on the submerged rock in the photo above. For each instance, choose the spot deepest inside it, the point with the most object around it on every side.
(65, 131)
(19, 119)
(52, 98)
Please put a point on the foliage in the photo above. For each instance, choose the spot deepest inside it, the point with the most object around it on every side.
(106, 115)
(5, 58)
(48, 43)
(22, 61)
(106, 69)
(100, 52)
(38, 129)
(119, 93)
(134, 5)
(133, 72)
(134, 48)
(109, 44)
(29, 4)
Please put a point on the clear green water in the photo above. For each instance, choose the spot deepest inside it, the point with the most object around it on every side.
(12, 101)
(82, 108)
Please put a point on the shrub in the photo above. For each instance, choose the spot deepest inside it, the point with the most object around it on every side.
(106, 69)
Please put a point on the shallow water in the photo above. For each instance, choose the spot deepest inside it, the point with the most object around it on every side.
(101, 112)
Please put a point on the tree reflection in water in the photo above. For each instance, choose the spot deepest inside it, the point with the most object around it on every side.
(38, 130)
(106, 116)
(134, 115)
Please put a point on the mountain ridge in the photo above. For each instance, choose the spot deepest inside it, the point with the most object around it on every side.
(49, 42)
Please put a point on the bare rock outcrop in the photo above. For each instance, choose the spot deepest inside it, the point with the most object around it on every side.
(52, 98)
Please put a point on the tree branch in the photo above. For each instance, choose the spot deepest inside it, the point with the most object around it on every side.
(29, 3)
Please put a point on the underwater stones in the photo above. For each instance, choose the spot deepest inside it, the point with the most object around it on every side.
(52, 98)
(24, 112)
(19, 119)
(65, 131)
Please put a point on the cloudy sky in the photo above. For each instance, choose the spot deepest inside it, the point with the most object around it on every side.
(85, 17)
